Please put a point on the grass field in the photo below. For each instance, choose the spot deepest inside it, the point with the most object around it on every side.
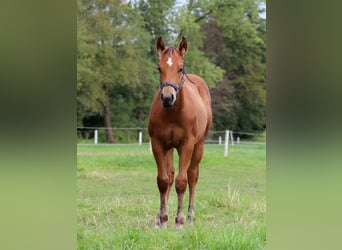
(118, 200)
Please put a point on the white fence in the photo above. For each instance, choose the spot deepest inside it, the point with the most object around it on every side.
(226, 138)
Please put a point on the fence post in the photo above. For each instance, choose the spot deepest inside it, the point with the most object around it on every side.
(238, 140)
(220, 140)
(232, 138)
(140, 137)
(95, 136)
(226, 142)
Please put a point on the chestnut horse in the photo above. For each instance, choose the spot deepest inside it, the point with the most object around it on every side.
(180, 117)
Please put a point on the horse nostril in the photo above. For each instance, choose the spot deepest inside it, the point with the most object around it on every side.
(162, 96)
(172, 97)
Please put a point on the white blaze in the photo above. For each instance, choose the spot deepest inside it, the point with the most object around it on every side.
(169, 61)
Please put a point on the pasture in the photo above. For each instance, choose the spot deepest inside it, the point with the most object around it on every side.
(118, 200)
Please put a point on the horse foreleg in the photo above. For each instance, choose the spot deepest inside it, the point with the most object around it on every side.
(163, 181)
(193, 177)
(162, 216)
(185, 153)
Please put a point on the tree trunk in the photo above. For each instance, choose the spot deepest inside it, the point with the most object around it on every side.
(108, 123)
(140, 118)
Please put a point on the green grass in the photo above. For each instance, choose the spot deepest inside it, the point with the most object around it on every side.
(118, 200)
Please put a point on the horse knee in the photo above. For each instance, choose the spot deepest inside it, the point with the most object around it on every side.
(163, 183)
(181, 185)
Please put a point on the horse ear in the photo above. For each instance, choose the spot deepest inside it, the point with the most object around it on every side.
(183, 46)
(160, 46)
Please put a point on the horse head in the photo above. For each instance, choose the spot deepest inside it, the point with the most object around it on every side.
(171, 69)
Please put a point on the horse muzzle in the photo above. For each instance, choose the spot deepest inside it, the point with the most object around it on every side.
(168, 99)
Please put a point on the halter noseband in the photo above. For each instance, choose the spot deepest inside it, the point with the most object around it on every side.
(176, 87)
(180, 85)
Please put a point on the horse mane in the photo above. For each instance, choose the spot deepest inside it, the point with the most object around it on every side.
(170, 50)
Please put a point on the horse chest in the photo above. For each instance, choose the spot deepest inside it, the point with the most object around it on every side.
(172, 136)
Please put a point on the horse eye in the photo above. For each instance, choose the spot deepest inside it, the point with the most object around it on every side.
(159, 69)
(180, 70)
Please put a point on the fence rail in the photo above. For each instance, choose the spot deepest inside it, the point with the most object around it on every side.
(97, 135)
(129, 136)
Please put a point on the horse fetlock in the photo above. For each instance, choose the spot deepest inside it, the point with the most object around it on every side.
(162, 217)
(179, 220)
(191, 215)
(162, 220)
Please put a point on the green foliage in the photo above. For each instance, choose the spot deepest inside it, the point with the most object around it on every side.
(235, 40)
(116, 58)
(112, 62)
(158, 20)
(196, 61)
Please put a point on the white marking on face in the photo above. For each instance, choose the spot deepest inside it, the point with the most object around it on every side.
(169, 61)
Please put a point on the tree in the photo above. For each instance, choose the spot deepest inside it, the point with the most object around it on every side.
(234, 39)
(189, 25)
(116, 68)
(110, 49)
(89, 95)
(157, 16)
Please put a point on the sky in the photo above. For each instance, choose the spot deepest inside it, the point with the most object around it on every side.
(263, 15)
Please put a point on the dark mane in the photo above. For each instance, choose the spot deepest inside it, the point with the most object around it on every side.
(170, 50)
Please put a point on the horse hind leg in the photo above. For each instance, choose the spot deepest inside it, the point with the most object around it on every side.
(170, 170)
(193, 172)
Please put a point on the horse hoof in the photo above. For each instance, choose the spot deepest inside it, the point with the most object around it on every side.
(161, 225)
(190, 220)
(179, 222)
